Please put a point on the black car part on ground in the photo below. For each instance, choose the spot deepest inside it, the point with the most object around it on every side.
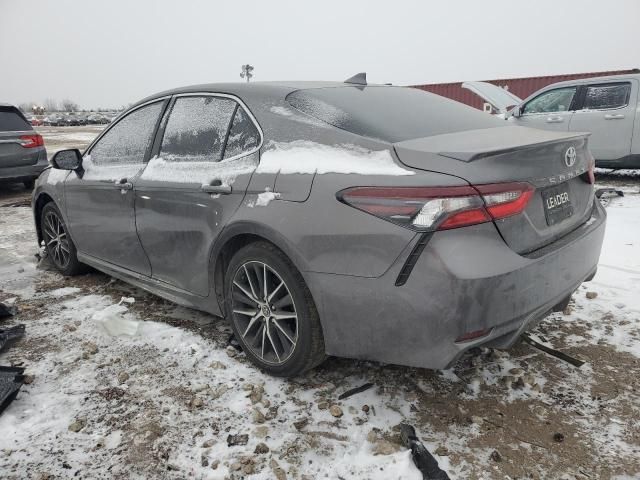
(424, 461)
(552, 351)
(613, 191)
(7, 310)
(11, 379)
(11, 334)
(355, 390)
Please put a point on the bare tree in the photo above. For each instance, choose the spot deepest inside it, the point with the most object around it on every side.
(25, 107)
(69, 105)
(51, 105)
(246, 72)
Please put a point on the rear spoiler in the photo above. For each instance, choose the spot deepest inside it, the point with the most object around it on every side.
(475, 144)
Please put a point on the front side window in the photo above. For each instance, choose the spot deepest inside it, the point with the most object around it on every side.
(558, 100)
(600, 97)
(243, 136)
(126, 143)
(197, 129)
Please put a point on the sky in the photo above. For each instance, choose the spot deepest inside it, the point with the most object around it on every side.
(112, 53)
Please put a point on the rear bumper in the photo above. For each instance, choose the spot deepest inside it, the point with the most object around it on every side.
(24, 172)
(466, 280)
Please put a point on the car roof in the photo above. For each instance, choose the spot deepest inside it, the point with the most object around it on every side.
(581, 81)
(268, 89)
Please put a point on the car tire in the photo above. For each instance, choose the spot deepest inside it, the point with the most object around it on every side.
(283, 335)
(59, 246)
(28, 184)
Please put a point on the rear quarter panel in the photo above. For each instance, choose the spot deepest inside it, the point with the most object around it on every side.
(329, 236)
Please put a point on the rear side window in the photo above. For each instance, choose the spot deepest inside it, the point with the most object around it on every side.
(392, 114)
(196, 129)
(558, 100)
(128, 140)
(599, 97)
(12, 121)
(243, 135)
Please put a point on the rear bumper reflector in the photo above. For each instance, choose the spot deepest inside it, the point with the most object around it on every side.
(467, 337)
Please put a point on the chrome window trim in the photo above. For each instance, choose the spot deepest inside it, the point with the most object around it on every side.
(241, 104)
(119, 118)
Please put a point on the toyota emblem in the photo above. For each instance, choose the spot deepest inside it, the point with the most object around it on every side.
(570, 156)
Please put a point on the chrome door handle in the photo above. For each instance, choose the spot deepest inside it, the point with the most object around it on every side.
(123, 184)
(555, 119)
(217, 187)
(611, 116)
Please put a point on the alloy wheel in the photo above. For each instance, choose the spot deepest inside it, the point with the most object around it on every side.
(264, 312)
(56, 240)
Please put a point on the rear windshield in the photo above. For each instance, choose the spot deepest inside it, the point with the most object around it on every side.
(392, 114)
(12, 121)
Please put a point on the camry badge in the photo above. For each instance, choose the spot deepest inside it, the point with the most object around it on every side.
(570, 156)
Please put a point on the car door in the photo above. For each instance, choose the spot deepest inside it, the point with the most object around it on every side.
(205, 153)
(607, 111)
(550, 110)
(100, 200)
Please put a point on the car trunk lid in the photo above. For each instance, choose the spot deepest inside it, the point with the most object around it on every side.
(556, 164)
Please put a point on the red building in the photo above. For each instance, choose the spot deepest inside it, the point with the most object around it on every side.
(521, 87)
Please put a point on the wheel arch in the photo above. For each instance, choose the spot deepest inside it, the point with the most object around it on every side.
(42, 199)
(232, 239)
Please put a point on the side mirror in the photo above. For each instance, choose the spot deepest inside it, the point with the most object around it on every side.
(516, 111)
(67, 159)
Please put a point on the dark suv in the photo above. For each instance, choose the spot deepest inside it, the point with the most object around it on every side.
(22, 153)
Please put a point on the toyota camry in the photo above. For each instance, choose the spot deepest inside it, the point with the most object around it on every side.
(322, 218)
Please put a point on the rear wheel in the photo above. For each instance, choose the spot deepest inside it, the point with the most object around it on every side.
(271, 311)
(58, 244)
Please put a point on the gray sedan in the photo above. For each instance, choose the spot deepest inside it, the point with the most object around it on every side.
(364, 221)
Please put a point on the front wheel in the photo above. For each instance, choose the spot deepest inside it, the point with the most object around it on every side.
(57, 242)
(271, 311)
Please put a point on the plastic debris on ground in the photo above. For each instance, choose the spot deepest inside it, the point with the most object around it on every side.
(11, 379)
(9, 335)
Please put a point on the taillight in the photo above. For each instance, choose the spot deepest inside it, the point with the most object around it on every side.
(591, 174)
(440, 208)
(506, 199)
(31, 141)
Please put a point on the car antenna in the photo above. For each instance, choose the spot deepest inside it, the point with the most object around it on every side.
(358, 79)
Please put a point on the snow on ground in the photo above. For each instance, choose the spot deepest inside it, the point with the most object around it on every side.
(61, 138)
(126, 385)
